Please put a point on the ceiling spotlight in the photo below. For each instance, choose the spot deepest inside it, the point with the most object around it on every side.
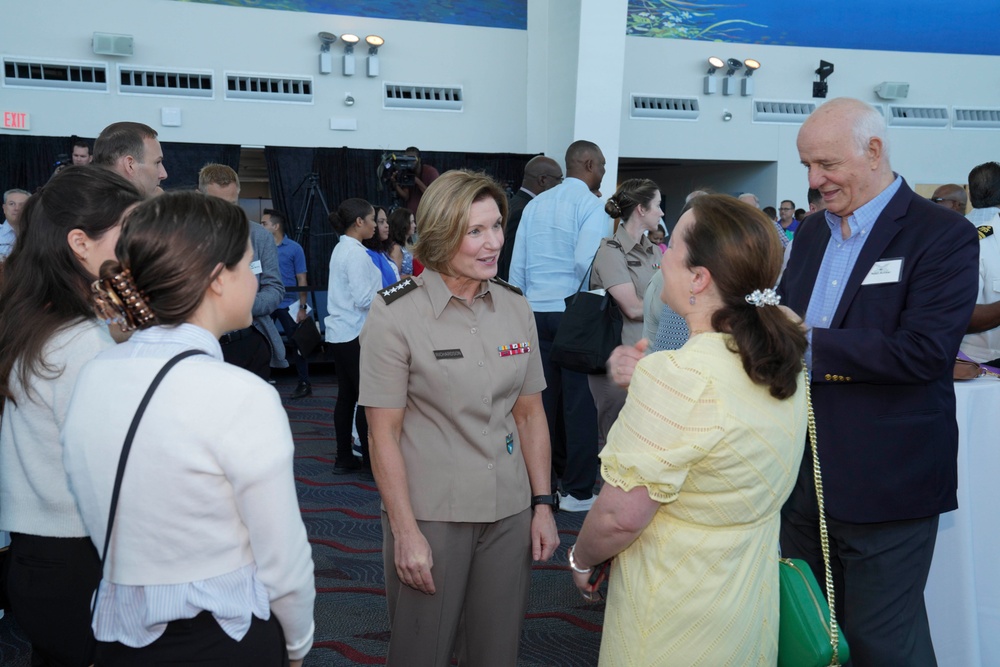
(373, 41)
(714, 63)
(824, 70)
(349, 41)
(728, 86)
(325, 59)
(746, 86)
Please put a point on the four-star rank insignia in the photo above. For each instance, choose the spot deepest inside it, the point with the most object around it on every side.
(393, 292)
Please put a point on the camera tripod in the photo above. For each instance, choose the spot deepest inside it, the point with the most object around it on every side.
(300, 232)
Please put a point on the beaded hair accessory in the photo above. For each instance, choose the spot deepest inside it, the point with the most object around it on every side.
(117, 299)
(764, 297)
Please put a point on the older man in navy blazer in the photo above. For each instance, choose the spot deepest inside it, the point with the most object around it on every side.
(886, 282)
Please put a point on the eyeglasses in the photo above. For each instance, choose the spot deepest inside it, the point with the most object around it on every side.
(785, 208)
(938, 200)
(555, 178)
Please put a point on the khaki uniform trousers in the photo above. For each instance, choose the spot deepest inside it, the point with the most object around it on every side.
(481, 572)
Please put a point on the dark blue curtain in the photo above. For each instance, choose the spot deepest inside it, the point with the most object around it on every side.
(184, 161)
(27, 162)
(342, 173)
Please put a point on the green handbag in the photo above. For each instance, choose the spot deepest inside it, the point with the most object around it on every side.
(808, 634)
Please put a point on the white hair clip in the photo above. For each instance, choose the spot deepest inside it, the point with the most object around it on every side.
(764, 297)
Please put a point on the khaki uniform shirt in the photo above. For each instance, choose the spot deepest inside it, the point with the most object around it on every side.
(631, 263)
(457, 369)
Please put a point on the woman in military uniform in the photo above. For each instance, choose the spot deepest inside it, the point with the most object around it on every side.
(452, 381)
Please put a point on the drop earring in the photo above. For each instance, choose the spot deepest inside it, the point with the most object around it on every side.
(691, 298)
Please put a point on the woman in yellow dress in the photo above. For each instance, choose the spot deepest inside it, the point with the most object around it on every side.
(702, 457)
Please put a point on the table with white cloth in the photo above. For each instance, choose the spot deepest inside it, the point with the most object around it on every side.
(963, 589)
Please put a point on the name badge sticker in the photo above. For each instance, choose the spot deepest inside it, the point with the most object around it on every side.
(255, 268)
(884, 271)
(448, 354)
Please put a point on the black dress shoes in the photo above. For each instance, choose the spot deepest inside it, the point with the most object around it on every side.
(304, 389)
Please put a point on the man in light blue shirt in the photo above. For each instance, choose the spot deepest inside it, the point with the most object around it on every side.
(13, 202)
(556, 241)
(886, 283)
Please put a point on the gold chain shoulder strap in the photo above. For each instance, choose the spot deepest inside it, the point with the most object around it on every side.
(823, 537)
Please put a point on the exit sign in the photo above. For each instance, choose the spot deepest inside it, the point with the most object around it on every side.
(15, 120)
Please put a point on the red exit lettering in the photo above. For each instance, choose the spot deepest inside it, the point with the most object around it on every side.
(13, 120)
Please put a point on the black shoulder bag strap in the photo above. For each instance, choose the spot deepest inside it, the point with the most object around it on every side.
(125, 450)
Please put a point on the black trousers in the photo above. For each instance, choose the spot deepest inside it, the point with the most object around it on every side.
(200, 641)
(50, 582)
(347, 357)
(289, 325)
(572, 417)
(879, 572)
(249, 350)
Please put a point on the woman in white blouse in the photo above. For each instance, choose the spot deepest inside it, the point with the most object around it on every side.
(208, 561)
(48, 331)
(354, 280)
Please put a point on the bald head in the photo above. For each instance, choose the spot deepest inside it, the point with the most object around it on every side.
(951, 196)
(540, 174)
(843, 146)
(584, 160)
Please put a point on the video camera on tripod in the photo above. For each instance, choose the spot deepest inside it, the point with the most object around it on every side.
(403, 167)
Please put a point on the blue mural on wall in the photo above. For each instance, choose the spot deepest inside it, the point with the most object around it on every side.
(922, 26)
(487, 13)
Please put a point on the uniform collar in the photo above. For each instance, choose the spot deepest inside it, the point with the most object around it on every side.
(440, 296)
(623, 237)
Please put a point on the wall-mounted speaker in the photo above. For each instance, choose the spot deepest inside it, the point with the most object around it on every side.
(107, 44)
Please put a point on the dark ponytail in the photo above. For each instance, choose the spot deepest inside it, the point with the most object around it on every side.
(741, 249)
(347, 214)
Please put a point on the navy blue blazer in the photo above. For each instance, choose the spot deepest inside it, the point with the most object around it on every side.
(882, 383)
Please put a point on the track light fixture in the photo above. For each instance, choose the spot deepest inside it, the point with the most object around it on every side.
(751, 65)
(349, 41)
(714, 63)
(728, 85)
(373, 41)
(325, 59)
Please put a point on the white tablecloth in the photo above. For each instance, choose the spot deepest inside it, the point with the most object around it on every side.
(963, 590)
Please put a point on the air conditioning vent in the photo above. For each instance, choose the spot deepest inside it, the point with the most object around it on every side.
(150, 81)
(271, 88)
(429, 98)
(20, 72)
(670, 108)
(773, 111)
(978, 118)
(906, 116)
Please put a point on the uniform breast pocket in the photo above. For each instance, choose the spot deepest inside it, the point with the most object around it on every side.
(996, 286)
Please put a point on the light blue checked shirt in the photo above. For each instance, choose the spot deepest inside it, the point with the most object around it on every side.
(839, 260)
